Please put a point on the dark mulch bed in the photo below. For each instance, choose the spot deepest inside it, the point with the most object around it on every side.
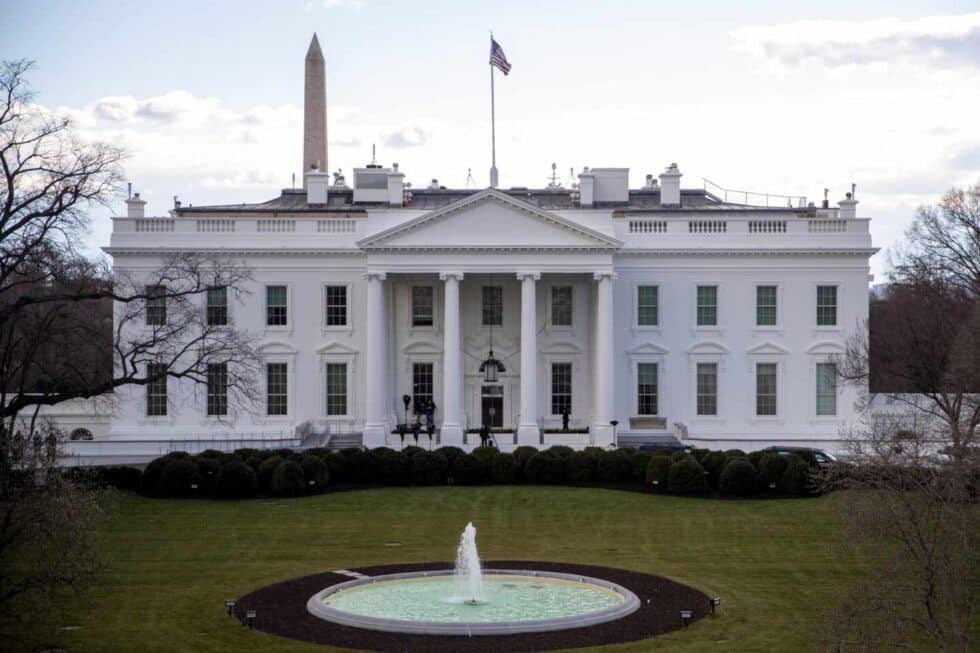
(281, 610)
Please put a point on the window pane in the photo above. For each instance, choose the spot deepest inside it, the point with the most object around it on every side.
(561, 306)
(826, 305)
(707, 389)
(647, 307)
(707, 306)
(826, 389)
(217, 309)
(765, 389)
(277, 391)
(156, 390)
(422, 306)
(156, 305)
(561, 388)
(646, 389)
(218, 389)
(421, 386)
(276, 313)
(336, 302)
(493, 306)
(765, 305)
(336, 388)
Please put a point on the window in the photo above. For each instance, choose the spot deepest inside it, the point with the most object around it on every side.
(156, 390)
(646, 389)
(765, 305)
(422, 306)
(561, 306)
(826, 389)
(336, 301)
(561, 388)
(421, 386)
(156, 305)
(218, 389)
(707, 306)
(276, 389)
(276, 309)
(336, 388)
(826, 305)
(765, 389)
(707, 389)
(217, 310)
(647, 306)
(493, 306)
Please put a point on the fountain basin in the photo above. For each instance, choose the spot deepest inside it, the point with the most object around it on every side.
(516, 601)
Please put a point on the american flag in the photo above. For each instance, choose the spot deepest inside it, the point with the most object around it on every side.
(497, 57)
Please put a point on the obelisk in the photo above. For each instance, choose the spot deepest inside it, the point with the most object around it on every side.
(314, 111)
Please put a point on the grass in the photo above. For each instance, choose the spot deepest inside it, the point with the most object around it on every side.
(774, 563)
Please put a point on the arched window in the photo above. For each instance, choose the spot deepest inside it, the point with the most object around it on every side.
(81, 434)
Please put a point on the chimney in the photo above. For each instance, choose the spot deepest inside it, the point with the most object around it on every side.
(316, 182)
(651, 183)
(586, 187)
(670, 186)
(135, 207)
(396, 186)
(314, 111)
(848, 207)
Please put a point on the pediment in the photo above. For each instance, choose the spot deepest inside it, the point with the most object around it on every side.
(422, 347)
(273, 347)
(336, 348)
(490, 220)
(825, 347)
(767, 348)
(710, 347)
(563, 348)
(647, 349)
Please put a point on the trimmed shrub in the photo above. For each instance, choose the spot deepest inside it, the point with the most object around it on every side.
(208, 468)
(735, 453)
(486, 454)
(285, 454)
(739, 478)
(639, 460)
(267, 469)
(254, 462)
(680, 455)
(361, 466)
(392, 467)
(452, 454)
(755, 457)
(581, 466)
(177, 455)
(807, 456)
(771, 468)
(614, 466)
(523, 453)
(336, 466)
(796, 477)
(247, 452)
(121, 478)
(544, 467)
(593, 451)
(288, 481)
(658, 470)
(411, 450)
(178, 476)
(236, 480)
(470, 470)
(429, 468)
(211, 453)
(699, 454)
(314, 472)
(150, 481)
(503, 469)
(686, 477)
(713, 464)
(561, 450)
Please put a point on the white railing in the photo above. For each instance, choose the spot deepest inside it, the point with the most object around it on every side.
(215, 225)
(336, 226)
(276, 225)
(767, 226)
(155, 224)
(826, 226)
(707, 226)
(648, 226)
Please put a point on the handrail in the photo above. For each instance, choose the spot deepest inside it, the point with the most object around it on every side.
(770, 199)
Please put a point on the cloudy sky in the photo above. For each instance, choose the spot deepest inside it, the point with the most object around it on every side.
(775, 97)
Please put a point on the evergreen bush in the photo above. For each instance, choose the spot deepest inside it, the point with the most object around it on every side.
(503, 469)
(178, 478)
(686, 477)
(315, 472)
(288, 480)
(713, 463)
(639, 461)
(544, 468)
(429, 468)
(561, 450)
(771, 468)
(236, 480)
(738, 478)
(614, 466)
(658, 470)
(336, 467)
(392, 467)
(361, 466)
(796, 477)
(267, 468)
(581, 466)
(470, 470)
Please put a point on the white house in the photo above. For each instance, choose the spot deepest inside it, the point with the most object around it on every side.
(672, 311)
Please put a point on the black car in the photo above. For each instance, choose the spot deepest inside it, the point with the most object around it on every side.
(669, 447)
(821, 457)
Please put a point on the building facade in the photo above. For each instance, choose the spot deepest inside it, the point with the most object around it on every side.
(672, 312)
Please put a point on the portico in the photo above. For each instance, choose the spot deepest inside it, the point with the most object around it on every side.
(477, 276)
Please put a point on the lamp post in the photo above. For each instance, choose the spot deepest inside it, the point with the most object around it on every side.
(614, 424)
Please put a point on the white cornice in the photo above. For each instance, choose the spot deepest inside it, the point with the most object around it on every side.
(762, 251)
(232, 251)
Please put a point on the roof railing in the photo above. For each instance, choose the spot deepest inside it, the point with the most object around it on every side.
(750, 198)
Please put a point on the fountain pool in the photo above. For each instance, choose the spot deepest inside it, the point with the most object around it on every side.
(470, 601)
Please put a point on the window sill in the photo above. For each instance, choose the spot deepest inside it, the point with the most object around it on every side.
(708, 419)
(767, 419)
(652, 328)
(285, 328)
(768, 329)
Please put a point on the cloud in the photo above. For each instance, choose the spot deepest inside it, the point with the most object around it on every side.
(935, 42)
(966, 158)
(413, 136)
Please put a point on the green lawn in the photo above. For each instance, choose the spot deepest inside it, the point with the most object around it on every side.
(774, 563)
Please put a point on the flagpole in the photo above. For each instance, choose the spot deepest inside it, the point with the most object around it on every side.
(493, 129)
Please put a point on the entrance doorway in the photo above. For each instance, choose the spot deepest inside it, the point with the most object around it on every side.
(492, 401)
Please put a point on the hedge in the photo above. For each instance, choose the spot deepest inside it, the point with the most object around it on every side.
(522, 454)
(470, 470)
(686, 477)
(361, 466)
(771, 467)
(336, 466)
(739, 478)
(314, 472)
(639, 462)
(544, 467)
(391, 467)
(796, 478)
(503, 469)
(615, 466)
(208, 468)
(288, 480)
(429, 468)
(581, 466)
(658, 470)
(236, 480)
(713, 463)
(266, 470)
(178, 478)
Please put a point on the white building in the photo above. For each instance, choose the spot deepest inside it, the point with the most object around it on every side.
(676, 312)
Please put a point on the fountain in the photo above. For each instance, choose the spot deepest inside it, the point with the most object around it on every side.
(468, 575)
(469, 600)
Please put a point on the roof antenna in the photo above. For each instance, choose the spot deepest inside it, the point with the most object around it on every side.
(470, 182)
(554, 183)
(131, 190)
(294, 181)
(374, 159)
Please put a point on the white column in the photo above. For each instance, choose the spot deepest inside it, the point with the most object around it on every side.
(451, 432)
(604, 384)
(376, 425)
(528, 431)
